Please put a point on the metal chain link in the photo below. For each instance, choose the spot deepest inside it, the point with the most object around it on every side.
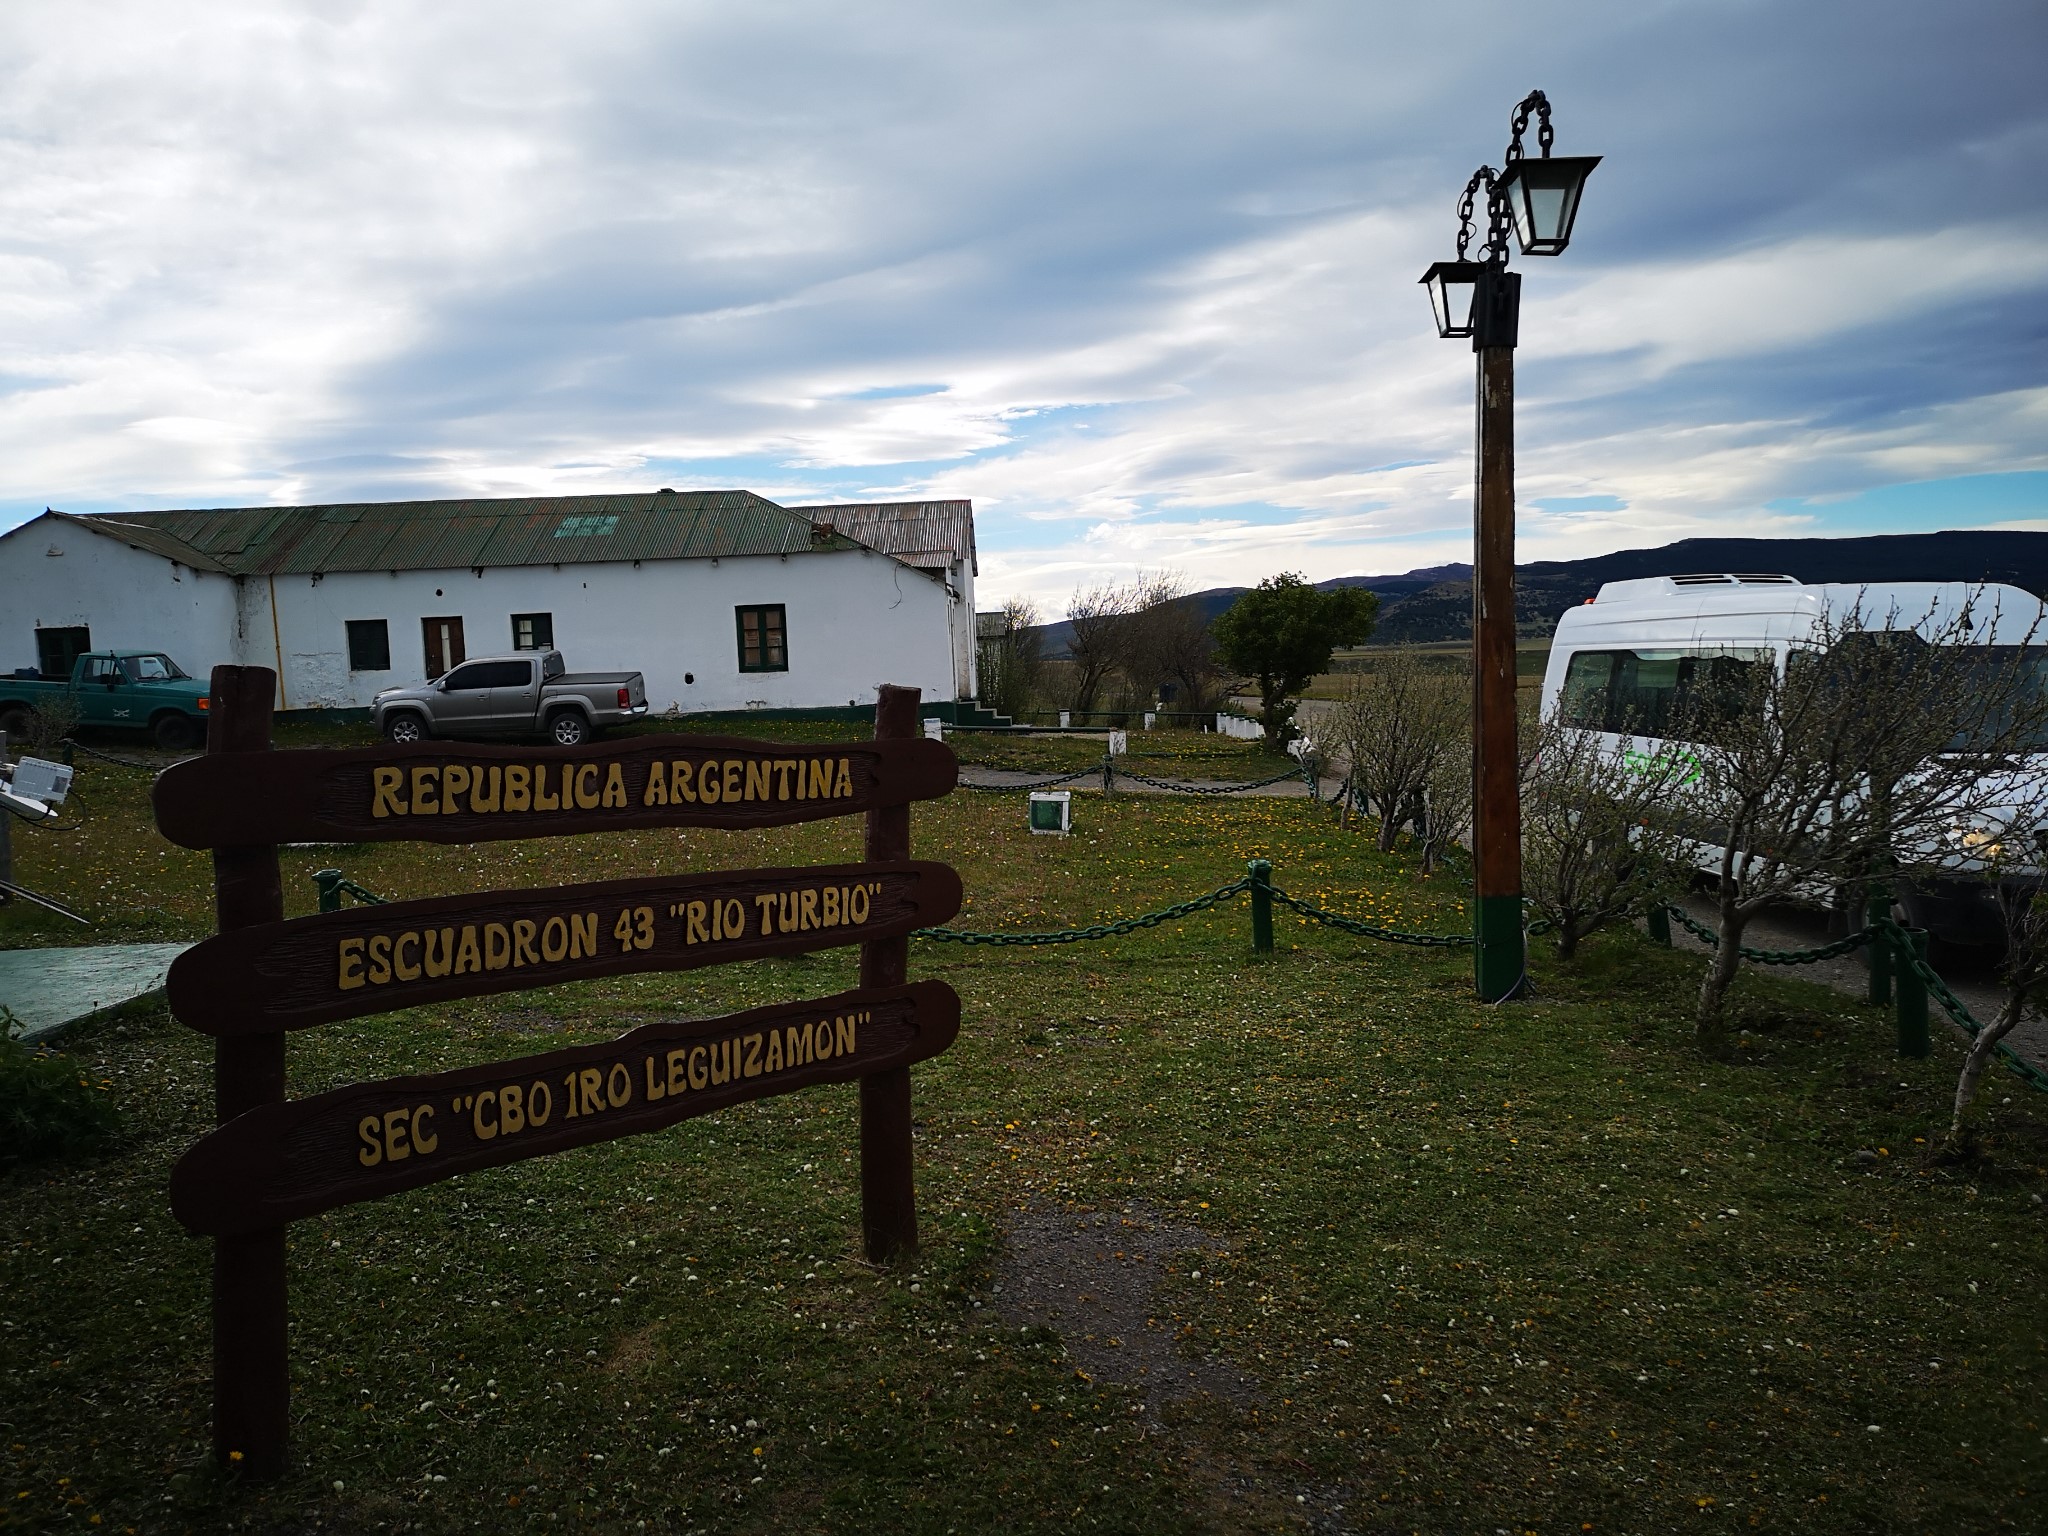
(1938, 989)
(124, 762)
(1316, 914)
(1095, 931)
(1209, 789)
(1060, 778)
(1707, 936)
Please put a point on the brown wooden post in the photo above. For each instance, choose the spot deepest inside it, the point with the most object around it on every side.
(251, 1384)
(1497, 801)
(888, 1196)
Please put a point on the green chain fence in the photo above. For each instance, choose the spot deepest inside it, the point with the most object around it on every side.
(1917, 980)
(1899, 954)
(332, 885)
(1110, 771)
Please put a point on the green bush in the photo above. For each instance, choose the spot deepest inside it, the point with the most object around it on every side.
(49, 1105)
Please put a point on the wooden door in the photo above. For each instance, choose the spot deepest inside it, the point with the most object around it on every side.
(443, 644)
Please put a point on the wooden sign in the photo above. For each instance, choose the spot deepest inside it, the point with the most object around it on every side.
(449, 792)
(343, 965)
(283, 1162)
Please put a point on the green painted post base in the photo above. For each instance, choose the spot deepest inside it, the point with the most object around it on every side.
(1497, 960)
(1659, 920)
(1262, 906)
(1880, 953)
(1912, 1004)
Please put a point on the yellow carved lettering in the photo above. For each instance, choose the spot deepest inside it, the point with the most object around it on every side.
(774, 1062)
(586, 797)
(425, 791)
(387, 787)
(482, 1129)
(484, 800)
(468, 957)
(454, 780)
(511, 1114)
(518, 787)
(554, 939)
(829, 900)
(656, 792)
(842, 1035)
(497, 947)
(523, 952)
(843, 785)
(615, 787)
(349, 963)
(582, 934)
(542, 800)
(444, 962)
(821, 778)
(371, 1153)
(807, 909)
(757, 780)
(396, 1147)
(402, 968)
(698, 1076)
(679, 787)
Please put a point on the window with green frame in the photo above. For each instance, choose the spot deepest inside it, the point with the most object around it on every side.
(764, 642)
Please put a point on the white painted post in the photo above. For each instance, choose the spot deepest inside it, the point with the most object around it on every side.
(1150, 719)
(1119, 743)
(1066, 719)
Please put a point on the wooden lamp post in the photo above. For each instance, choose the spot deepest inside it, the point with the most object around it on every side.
(1482, 299)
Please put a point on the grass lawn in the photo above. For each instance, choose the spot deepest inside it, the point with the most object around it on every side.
(1445, 1268)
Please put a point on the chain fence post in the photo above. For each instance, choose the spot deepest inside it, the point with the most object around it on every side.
(1109, 773)
(1881, 952)
(1261, 871)
(1658, 919)
(328, 883)
(1912, 993)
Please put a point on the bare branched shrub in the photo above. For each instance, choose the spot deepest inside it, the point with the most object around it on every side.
(1098, 647)
(1171, 645)
(1599, 840)
(1011, 665)
(1405, 729)
(2024, 972)
(1447, 800)
(48, 725)
(1861, 758)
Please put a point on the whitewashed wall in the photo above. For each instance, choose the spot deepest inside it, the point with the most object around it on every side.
(856, 620)
(127, 597)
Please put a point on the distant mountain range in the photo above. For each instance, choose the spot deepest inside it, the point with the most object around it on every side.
(1435, 603)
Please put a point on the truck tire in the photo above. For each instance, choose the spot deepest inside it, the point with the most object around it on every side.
(567, 728)
(14, 723)
(405, 726)
(175, 733)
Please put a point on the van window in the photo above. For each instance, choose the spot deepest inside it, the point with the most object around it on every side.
(1673, 694)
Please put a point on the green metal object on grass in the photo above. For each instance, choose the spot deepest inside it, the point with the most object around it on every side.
(1497, 958)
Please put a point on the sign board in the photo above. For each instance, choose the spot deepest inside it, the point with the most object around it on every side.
(42, 780)
(284, 1162)
(342, 965)
(272, 1160)
(935, 730)
(1119, 743)
(450, 792)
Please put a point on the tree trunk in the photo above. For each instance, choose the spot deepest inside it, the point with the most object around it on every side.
(1390, 828)
(1567, 940)
(1978, 1057)
(1710, 1027)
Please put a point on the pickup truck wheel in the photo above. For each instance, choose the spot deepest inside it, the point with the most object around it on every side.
(175, 733)
(14, 724)
(566, 728)
(404, 728)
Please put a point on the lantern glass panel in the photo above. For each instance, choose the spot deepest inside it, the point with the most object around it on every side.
(1543, 198)
(1453, 290)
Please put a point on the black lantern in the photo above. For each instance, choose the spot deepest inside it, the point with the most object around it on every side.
(1543, 199)
(1453, 291)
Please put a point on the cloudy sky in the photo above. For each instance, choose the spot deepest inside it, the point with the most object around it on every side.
(1140, 279)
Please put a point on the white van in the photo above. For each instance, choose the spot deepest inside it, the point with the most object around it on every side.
(1634, 652)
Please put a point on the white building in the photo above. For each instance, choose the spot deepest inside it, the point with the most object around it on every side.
(724, 600)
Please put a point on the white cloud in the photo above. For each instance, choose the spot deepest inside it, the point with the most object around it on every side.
(1150, 268)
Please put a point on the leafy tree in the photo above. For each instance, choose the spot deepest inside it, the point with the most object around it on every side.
(1282, 633)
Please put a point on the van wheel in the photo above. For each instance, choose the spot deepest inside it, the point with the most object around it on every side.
(566, 728)
(175, 733)
(404, 728)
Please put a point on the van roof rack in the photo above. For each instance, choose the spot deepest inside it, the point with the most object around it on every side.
(1736, 579)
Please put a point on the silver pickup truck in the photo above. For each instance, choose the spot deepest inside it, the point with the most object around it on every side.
(532, 692)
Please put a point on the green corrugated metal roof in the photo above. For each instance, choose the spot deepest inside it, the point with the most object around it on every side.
(451, 535)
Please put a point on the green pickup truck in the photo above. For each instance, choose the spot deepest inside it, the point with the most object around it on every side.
(124, 690)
